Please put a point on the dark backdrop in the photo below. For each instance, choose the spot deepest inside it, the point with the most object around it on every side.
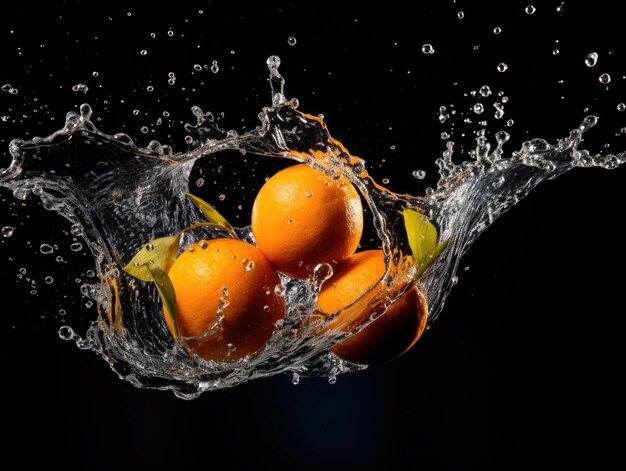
(521, 369)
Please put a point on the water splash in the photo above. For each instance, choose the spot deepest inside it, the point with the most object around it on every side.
(118, 196)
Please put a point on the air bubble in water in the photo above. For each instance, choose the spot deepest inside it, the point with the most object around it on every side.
(7, 231)
(428, 49)
(291, 41)
(502, 67)
(592, 59)
(80, 87)
(419, 174)
(214, 67)
(604, 79)
(530, 10)
(46, 249)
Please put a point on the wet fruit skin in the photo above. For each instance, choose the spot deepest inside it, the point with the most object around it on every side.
(301, 217)
(231, 277)
(390, 335)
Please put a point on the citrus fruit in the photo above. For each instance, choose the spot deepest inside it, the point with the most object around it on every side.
(301, 217)
(225, 299)
(390, 335)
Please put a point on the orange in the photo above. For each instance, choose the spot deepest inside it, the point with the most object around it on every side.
(391, 334)
(301, 218)
(231, 280)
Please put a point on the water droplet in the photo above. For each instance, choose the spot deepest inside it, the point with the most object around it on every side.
(203, 246)
(149, 247)
(214, 67)
(444, 135)
(592, 59)
(385, 180)
(62, 312)
(502, 67)
(150, 88)
(510, 123)
(247, 264)
(197, 67)
(556, 52)
(7, 231)
(80, 87)
(170, 33)
(279, 290)
(22, 271)
(95, 73)
(9, 89)
(419, 174)
(144, 129)
(46, 249)
(332, 379)
(66, 332)
(266, 308)
(231, 347)
(485, 91)
(273, 62)
(478, 108)
(443, 116)
(604, 79)
(530, 10)
(90, 273)
(135, 112)
(221, 197)
(621, 107)
(76, 247)
(199, 182)
(48, 280)
(497, 30)
(428, 49)
(295, 378)
(291, 41)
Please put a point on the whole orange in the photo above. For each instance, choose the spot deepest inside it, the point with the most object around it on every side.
(225, 299)
(390, 335)
(301, 217)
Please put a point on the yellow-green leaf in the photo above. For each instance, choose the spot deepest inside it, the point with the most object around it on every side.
(158, 253)
(422, 237)
(211, 214)
(166, 292)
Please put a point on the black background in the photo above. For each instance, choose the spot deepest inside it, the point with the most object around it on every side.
(522, 369)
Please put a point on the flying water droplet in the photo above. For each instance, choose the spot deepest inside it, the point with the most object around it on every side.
(214, 67)
(247, 264)
(46, 249)
(291, 41)
(592, 59)
(530, 10)
(428, 49)
(502, 67)
(621, 107)
(478, 108)
(604, 79)
(419, 174)
(80, 87)
(7, 231)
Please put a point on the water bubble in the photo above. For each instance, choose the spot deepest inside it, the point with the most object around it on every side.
(502, 67)
(7, 231)
(485, 91)
(621, 107)
(604, 79)
(214, 67)
(419, 174)
(478, 108)
(9, 89)
(48, 280)
(428, 49)
(530, 10)
(592, 59)
(291, 41)
(66, 332)
(80, 87)
(247, 264)
(460, 15)
(497, 30)
(76, 247)
(46, 249)
(197, 67)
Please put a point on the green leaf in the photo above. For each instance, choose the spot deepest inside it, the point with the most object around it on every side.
(422, 237)
(212, 215)
(166, 292)
(158, 253)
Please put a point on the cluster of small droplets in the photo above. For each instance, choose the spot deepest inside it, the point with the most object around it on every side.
(171, 78)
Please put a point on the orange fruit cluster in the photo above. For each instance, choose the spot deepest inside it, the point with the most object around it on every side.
(227, 304)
